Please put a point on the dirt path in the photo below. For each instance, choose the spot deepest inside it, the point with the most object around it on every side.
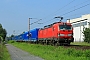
(18, 54)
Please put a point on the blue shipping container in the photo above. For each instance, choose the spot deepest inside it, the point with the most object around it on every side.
(34, 34)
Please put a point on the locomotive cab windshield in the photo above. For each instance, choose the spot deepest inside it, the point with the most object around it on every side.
(65, 27)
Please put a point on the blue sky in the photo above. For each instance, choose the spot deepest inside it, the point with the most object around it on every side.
(14, 14)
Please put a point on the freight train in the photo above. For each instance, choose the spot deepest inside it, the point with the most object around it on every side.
(58, 33)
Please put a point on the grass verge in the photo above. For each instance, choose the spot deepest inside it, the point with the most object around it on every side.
(48, 52)
(4, 55)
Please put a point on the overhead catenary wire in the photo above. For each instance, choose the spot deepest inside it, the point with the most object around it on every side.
(75, 6)
(69, 8)
(72, 7)
(57, 10)
(60, 9)
(77, 13)
(73, 10)
(36, 21)
(76, 9)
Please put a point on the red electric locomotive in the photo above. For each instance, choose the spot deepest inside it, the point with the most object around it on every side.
(57, 33)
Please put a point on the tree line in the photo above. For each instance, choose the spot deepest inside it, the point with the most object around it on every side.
(3, 33)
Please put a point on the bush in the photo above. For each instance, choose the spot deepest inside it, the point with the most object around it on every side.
(11, 41)
(86, 33)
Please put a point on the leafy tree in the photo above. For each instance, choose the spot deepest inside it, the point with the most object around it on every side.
(86, 33)
(12, 35)
(3, 32)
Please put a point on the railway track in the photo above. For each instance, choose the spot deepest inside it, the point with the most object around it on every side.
(78, 47)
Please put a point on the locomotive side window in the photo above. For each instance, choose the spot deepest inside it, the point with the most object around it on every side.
(65, 27)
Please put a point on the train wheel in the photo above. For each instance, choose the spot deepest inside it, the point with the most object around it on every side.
(36, 42)
(61, 44)
(68, 43)
(57, 43)
(53, 43)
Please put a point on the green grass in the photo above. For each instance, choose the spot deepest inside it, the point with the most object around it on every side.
(4, 55)
(48, 52)
(80, 43)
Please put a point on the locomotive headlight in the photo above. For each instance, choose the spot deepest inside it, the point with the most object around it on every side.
(60, 34)
(69, 34)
